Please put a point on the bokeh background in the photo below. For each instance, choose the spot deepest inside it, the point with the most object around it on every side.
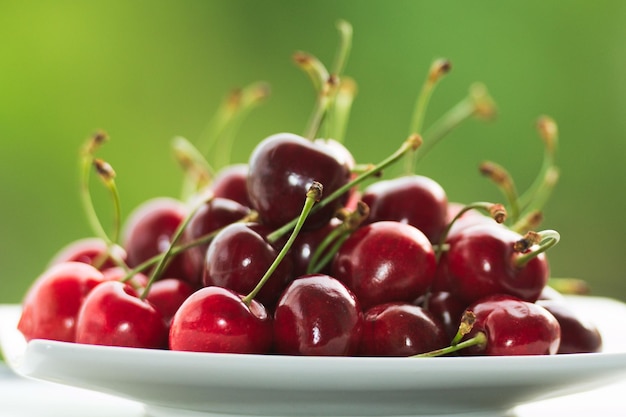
(146, 71)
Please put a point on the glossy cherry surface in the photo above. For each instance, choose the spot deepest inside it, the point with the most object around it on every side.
(52, 303)
(480, 261)
(578, 334)
(239, 256)
(215, 319)
(384, 262)
(414, 199)
(114, 315)
(400, 329)
(167, 295)
(91, 250)
(317, 315)
(282, 167)
(513, 327)
(231, 183)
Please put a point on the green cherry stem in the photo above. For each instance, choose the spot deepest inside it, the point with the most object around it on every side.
(345, 45)
(107, 175)
(313, 195)
(533, 244)
(199, 172)
(478, 103)
(480, 339)
(410, 144)
(342, 107)
(167, 255)
(86, 162)
(501, 177)
(437, 70)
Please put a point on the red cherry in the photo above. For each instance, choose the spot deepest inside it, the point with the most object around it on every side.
(210, 217)
(149, 230)
(215, 319)
(578, 335)
(384, 262)
(417, 200)
(448, 310)
(92, 251)
(282, 167)
(317, 315)
(481, 260)
(512, 327)
(230, 182)
(114, 315)
(238, 257)
(400, 329)
(52, 303)
(167, 295)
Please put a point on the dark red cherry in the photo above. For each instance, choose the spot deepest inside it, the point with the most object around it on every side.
(239, 256)
(578, 334)
(91, 250)
(282, 167)
(513, 327)
(167, 295)
(306, 244)
(114, 315)
(230, 182)
(400, 329)
(51, 305)
(210, 217)
(481, 260)
(215, 319)
(384, 262)
(448, 310)
(414, 199)
(319, 316)
(149, 230)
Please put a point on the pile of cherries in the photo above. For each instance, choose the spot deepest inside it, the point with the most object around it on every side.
(302, 251)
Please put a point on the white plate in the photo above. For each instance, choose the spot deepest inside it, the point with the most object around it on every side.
(189, 384)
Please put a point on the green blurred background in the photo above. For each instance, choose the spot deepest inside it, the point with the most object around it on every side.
(146, 71)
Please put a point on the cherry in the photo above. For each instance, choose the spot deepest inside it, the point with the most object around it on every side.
(578, 335)
(512, 327)
(385, 261)
(317, 315)
(92, 251)
(230, 182)
(447, 309)
(148, 232)
(305, 245)
(239, 255)
(281, 169)
(211, 216)
(118, 273)
(400, 329)
(485, 259)
(215, 319)
(167, 295)
(414, 199)
(51, 305)
(114, 315)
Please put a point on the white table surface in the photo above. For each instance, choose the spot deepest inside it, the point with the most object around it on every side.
(20, 397)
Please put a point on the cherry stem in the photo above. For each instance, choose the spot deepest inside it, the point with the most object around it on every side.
(437, 70)
(342, 106)
(410, 144)
(313, 195)
(220, 120)
(533, 244)
(107, 175)
(548, 131)
(251, 97)
(495, 211)
(530, 221)
(480, 339)
(196, 167)
(87, 158)
(336, 237)
(345, 45)
(503, 180)
(167, 255)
